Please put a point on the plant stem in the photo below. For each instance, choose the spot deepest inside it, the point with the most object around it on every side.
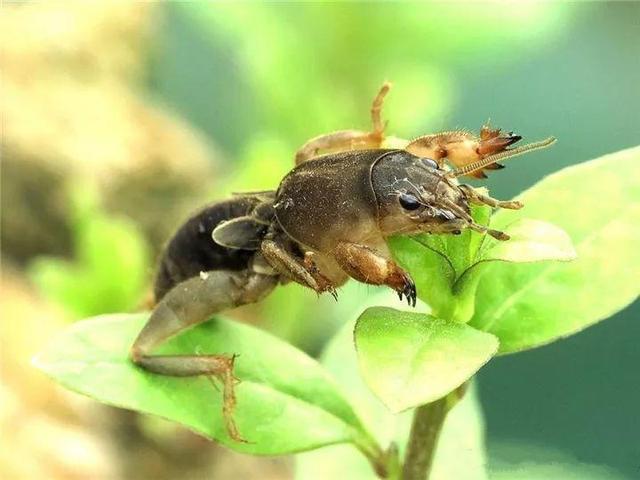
(425, 429)
(384, 463)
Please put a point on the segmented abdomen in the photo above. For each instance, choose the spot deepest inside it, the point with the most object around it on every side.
(191, 250)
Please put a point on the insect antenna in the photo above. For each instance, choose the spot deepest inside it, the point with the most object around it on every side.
(491, 159)
(473, 225)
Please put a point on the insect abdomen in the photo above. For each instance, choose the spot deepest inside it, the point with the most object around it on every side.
(191, 250)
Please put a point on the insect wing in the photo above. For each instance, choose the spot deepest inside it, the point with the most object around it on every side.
(243, 233)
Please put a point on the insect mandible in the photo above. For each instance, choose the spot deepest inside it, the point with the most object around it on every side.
(327, 222)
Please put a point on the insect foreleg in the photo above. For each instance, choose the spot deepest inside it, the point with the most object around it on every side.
(462, 148)
(376, 111)
(345, 140)
(368, 266)
(342, 140)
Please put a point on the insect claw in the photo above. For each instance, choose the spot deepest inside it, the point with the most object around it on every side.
(513, 205)
(409, 291)
(498, 235)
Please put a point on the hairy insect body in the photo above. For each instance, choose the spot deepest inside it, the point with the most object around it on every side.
(321, 202)
(327, 222)
(191, 250)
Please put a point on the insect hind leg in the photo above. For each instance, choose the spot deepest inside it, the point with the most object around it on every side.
(192, 302)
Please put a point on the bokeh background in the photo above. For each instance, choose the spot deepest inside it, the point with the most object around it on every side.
(120, 118)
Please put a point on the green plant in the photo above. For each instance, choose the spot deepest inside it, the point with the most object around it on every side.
(110, 264)
(486, 298)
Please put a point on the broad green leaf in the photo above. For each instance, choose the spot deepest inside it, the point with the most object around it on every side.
(598, 204)
(409, 359)
(460, 453)
(431, 271)
(531, 241)
(340, 358)
(447, 268)
(286, 402)
(437, 261)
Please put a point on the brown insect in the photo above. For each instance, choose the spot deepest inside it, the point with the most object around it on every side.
(326, 222)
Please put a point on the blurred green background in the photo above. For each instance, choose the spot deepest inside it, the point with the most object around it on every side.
(121, 119)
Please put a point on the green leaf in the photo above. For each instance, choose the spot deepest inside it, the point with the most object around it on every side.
(460, 452)
(437, 261)
(531, 241)
(108, 273)
(431, 270)
(598, 204)
(409, 359)
(447, 268)
(286, 402)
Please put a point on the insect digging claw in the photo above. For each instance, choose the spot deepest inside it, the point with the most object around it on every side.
(409, 291)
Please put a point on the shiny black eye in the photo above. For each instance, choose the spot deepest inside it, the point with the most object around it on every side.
(409, 201)
(430, 163)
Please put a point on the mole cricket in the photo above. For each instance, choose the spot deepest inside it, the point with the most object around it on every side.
(326, 222)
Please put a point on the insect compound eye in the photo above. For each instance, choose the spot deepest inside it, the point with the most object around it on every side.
(430, 163)
(409, 201)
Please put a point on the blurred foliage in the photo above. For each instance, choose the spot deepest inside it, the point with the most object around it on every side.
(110, 267)
(338, 81)
(526, 461)
(39, 224)
(73, 111)
(294, 76)
(46, 433)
